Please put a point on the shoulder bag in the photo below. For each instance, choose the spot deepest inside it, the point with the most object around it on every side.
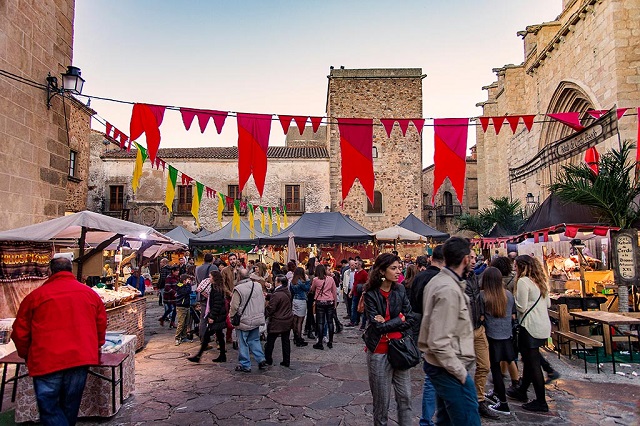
(235, 319)
(315, 299)
(516, 326)
(402, 353)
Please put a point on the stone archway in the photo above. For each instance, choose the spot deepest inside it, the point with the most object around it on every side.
(568, 97)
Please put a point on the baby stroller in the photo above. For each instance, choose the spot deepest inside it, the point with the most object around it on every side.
(194, 314)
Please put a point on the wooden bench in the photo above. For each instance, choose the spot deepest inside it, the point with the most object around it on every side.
(566, 337)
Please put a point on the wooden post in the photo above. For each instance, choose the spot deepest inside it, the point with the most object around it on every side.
(83, 237)
(606, 337)
(563, 325)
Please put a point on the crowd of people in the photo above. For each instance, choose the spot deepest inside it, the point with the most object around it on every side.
(461, 312)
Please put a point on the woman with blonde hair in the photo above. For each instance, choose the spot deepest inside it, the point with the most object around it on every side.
(532, 302)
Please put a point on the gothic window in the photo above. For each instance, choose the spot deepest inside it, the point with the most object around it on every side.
(116, 197)
(185, 195)
(376, 207)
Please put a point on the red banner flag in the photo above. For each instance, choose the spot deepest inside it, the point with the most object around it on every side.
(571, 119)
(404, 125)
(253, 142)
(356, 149)
(513, 122)
(528, 120)
(285, 121)
(315, 123)
(450, 155)
(419, 123)
(147, 119)
(497, 123)
(301, 122)
(388, 123)
(484, 122)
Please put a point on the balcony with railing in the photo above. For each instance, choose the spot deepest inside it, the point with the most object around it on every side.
(293, 206)
(448, 210)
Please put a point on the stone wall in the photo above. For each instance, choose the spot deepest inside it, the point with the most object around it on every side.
(379, 93)
(147, 204)
(587, 58)
(129, 318)
(79, 140)
(35, 39)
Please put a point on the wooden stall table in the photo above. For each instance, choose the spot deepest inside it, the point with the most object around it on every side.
(609, 319)
(99, 396)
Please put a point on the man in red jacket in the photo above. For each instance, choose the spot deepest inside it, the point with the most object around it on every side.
(59, 330)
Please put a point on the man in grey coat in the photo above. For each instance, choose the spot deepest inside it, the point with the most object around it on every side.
(248, 300)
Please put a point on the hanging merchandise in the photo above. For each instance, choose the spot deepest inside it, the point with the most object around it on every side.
(147, 119)
(253, 142)
(356, 150)
(195, 202)
(141, 156)
(450, 137)
(172, 179)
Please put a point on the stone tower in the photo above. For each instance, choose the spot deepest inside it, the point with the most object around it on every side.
(397, 161)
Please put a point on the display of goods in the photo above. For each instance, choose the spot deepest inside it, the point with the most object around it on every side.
(112, 298)
(572, 293)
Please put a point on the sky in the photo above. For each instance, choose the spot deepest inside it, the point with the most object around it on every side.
(274, 56)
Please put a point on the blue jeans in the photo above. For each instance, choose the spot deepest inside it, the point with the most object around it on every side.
(456, 403)
(59, 395)
(169, 308)
(249, 341)
(428, 399)
(355, 316)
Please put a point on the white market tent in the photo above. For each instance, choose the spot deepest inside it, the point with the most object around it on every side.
(398, 233)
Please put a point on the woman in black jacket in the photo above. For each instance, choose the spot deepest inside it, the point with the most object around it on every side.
(389, 312)
(216, 314)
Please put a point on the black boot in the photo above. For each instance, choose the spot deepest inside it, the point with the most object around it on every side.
(195, 358)
(221, 358)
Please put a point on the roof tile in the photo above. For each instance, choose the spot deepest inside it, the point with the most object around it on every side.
(226, 153)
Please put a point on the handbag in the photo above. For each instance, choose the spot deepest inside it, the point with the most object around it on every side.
(403, 353)
(360, 308)
(315, 299)
(235, 319)
(515, 326)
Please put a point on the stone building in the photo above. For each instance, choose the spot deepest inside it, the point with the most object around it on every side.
(379, 93)
(44, 154)
(446, 209)
(587, 58)
(296, 177)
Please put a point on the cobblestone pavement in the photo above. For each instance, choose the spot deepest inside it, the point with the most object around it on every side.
(326, 387)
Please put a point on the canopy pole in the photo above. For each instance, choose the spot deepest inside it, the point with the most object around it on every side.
(83, 236)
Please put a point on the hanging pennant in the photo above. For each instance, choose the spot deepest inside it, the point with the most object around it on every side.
(571, 119)
(388, 123)
(528, 121)
(315, 123)
(404, 125)
(285, 121)
(221, 198)
(278, 224)
(484, 122)
(141, 156)
(235, 222)
(252, 221)
(107, 131)
(172, 179)
(356, 150)
(195, 202)
(592, 158)
(203, 115)
(262, 218)
(210, 193)
(497, 123)
(147, 119)
(301, 122)
(253, 142)
(513, 122)
(419, 123)
(284, 215)
(450, 135)
(597, 113)
(270, 221)
(186, 180)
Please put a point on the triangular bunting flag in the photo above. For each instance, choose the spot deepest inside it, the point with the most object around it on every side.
(301, 122)
(404, 125)
(315, 123)
(253, 142)
(356, 150)
(285, 121)
(388, 123)
(141, 156)
(195, 202)
(107, 130)
(597, 113)
(210, 193)
(571, 119)
(484, 122)
(221, 198)
(187, 117)
(528, 121)
(270, 221)
(278, 224)
(497, 124)
(284, 215)
(592, 158)
(186, 180)
(172, 179)
(419, 123)
(252, 220)
(235, 222)
(262, 223)
(513, 122)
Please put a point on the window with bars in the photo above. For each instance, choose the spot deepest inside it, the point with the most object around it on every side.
(292, 198)
(116, 197)
(185, 195)
(376, 207)
(73, 155)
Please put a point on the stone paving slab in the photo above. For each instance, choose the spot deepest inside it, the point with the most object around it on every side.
(328, 387)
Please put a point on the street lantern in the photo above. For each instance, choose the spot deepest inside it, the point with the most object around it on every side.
(72, 82)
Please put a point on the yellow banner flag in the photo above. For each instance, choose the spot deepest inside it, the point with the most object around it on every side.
(195, 202)
(235, 222)
(278, 225)
(141, 156)
(220, 207)
(172, 178)
(252, 221)
(262, 219)
(284, 216)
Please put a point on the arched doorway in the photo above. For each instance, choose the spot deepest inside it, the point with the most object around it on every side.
(568, 97)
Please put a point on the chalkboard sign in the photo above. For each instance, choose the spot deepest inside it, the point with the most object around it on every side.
(624, 251)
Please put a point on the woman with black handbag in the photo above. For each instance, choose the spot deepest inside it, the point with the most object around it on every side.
(532, 301)
(389, 312)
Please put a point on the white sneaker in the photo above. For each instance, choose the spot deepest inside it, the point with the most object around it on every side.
(178, 342)
(325, 339)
